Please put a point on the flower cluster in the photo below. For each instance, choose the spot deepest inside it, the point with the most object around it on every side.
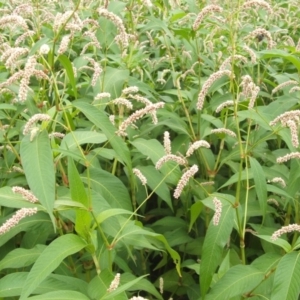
(140, 99)
(161, 285)
(231, 59)
(218, 211)
(291, 124)
(224, 104)
(97, 70)
(115, 283)
(283, 85)
(178, 159)
(223, 130)
(102, 95)
(288, 157)
(259, 3)
(147, 3)
(130, 89)
(251, 53)
(167, 142)
(16, 218)
(7, 147)
(278, 180)
(140, 176)
(205, 11)
(12, 20)
(273, 201)
(295, 88)
(161, 79)
(197, 145)
(212, 78)
(29, 70)
(11, 56)
(94, 41)
(291, 120)
(63, 47)
(122, 37)
(261, 32)
(138, 115)
(44, 49)
(285, 229)
(17, 169)
(112, 119)
(56, 135)
(298, 46)
(37, 117)
(249, 89)
(27, 195)
(123, 101)
(184, 180)
(289, 115)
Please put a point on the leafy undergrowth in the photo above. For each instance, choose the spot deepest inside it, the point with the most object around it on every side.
(149, 149)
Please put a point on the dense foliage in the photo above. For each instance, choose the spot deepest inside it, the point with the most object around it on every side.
(149, 149)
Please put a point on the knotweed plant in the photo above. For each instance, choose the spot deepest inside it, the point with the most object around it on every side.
(149, 149)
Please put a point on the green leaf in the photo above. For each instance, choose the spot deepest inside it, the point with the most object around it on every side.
(50, 259)
(61, 295)
(78, 194)
(64, 60)
(275, 53)
(37, 162)
(297, 244)
(100, 119)
(11, 285)
(279, 242)
(110, 187)
(111, 213)
(4, 106)
(133, 235)
(113, 80)
(215, 239)
(141, 285)
(77, 189)
(294, 178)
(260, 185)
(153, 149)
(245, 174)
(195, 211)
(75, 138)
(286, 282)
(67, 203)
(237, 281)
(19, 258)
(266, 262)
(260, 117)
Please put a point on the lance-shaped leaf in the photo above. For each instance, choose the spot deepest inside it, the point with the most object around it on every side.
(286, 284)
(215, 240)
(50, 259)
(237, 281)
(260, 184)
(37, 162)
(100, 119)
(78, 194)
